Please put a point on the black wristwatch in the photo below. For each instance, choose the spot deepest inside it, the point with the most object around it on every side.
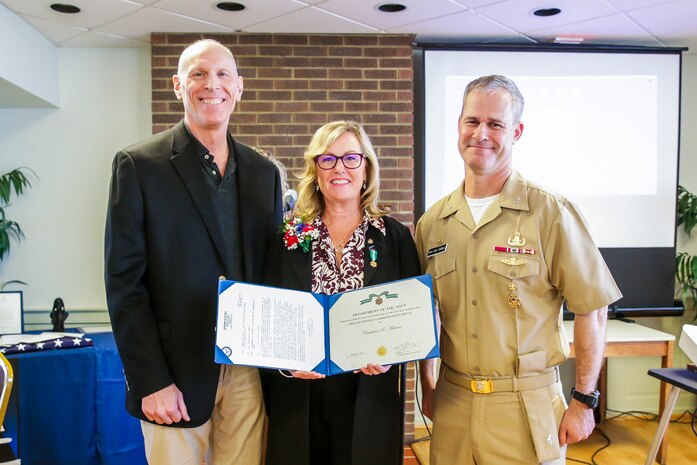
(591, 400)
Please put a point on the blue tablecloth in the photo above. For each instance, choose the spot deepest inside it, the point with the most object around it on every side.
(67, 408)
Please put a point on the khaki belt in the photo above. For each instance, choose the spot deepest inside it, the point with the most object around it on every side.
(482, 385)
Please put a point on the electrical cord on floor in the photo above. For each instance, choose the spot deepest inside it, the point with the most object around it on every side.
(639, 415)
(648, 416)
(418, 404)
(569, 459)
(605, 446)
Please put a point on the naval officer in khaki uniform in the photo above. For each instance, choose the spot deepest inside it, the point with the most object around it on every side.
(504, 254)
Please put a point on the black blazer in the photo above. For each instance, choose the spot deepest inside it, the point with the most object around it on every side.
(163, 257)
(378, 419)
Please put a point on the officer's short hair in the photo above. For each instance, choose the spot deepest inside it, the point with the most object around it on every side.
(493, 83)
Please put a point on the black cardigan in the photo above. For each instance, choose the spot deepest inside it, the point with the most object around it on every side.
(379, 414)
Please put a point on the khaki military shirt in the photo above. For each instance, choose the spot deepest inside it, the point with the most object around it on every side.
(500, 309)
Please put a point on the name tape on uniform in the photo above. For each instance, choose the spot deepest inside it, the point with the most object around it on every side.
(437, 250)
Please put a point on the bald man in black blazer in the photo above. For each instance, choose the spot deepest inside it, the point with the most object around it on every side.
(187, 206)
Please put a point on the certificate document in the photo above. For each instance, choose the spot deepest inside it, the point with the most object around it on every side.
(279, 328)
(11, 312)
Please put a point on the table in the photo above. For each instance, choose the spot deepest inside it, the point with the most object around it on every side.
(678, 378)
(625, 339)
(67, 407)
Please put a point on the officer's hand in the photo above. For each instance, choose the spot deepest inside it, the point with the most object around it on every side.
(165, 406)
(427, 401)
(576, 424)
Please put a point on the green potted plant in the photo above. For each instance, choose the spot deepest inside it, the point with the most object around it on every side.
(13, 181)
(686, 264)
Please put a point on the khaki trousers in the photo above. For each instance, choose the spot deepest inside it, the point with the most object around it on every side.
(233, 435)
(486, 429)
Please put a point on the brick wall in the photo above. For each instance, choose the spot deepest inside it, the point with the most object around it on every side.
(294, 83)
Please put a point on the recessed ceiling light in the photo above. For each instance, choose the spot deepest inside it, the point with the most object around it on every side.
(65, 8)
(230, 6)
(391, 7)
(544, 12)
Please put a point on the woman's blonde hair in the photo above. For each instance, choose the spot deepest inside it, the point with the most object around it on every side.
(310, 200)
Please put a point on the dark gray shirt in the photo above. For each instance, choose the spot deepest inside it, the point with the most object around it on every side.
(223, 192)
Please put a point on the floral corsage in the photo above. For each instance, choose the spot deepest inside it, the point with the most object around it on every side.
(295, 233)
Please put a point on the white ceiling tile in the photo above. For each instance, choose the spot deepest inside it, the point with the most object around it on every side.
(140, 24)
(668, 20)
(607, 30)
(466, 26)
(93, 12)
(473, 3)
(366, 11)
(517, 14)
(627, 5)
(309, 17)
(95, 39)
(55, 32)
(255, 12)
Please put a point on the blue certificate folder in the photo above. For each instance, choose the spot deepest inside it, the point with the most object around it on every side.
(270, 327)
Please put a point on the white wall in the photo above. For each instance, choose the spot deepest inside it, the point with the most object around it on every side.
(688, 141)
(105, 97)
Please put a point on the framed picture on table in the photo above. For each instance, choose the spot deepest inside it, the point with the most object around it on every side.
(11, 312)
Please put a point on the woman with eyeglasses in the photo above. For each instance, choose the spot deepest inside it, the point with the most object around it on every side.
(339, 240)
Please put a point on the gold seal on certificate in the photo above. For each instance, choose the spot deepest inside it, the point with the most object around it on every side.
(382, 351)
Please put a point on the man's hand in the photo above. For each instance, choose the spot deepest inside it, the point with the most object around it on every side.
(165, 406)
(371, 369)
(427, 401)
(576, 424)
(589, 342)
(427, 370)
(307, 374)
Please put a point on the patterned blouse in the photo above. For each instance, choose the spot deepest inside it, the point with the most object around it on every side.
(327, 278)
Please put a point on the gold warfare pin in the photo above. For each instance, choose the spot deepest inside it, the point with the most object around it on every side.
(513, 261)
(516, 240)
